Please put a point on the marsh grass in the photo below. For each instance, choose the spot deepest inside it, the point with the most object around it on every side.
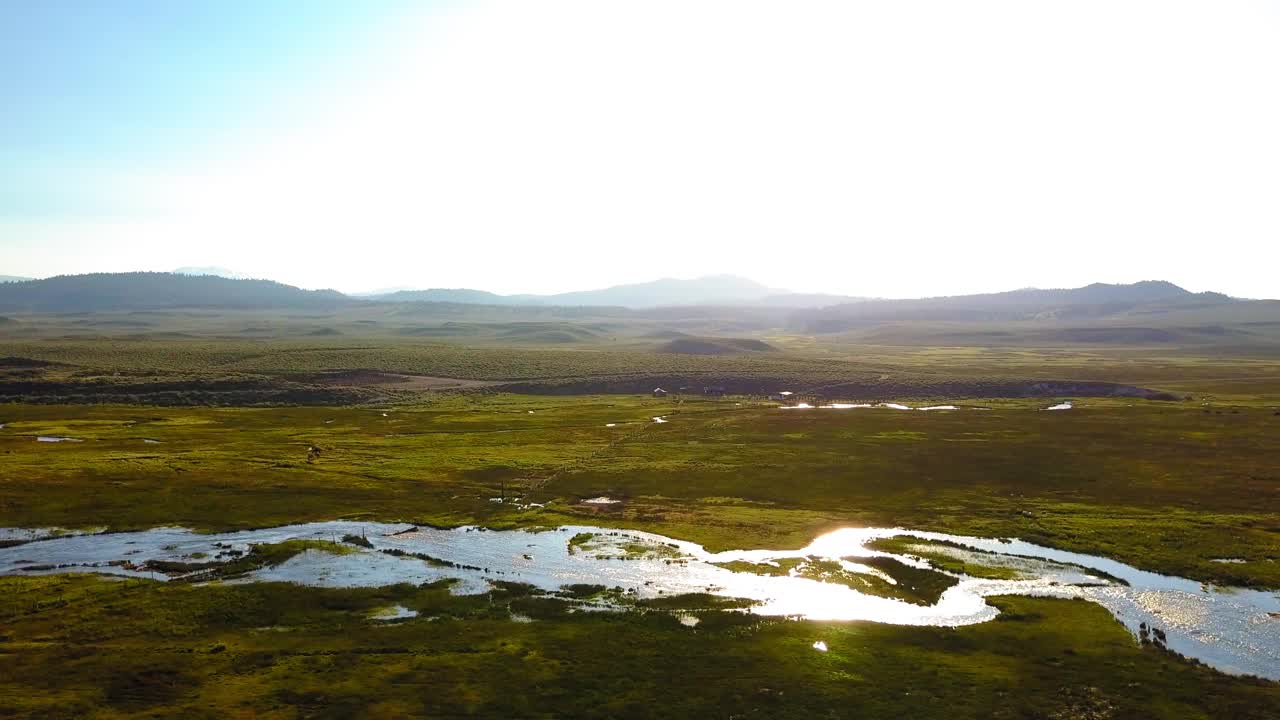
(719, 473)
(84, 646)
(942, 556)
(913, 585)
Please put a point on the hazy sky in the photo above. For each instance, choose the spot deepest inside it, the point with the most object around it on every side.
(879, 148)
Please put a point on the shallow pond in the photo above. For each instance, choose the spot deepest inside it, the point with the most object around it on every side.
(1235, 630)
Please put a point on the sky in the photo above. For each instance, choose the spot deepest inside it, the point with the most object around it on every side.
(891, 149)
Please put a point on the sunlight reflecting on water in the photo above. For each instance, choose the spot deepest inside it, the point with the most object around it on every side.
(1231, 629)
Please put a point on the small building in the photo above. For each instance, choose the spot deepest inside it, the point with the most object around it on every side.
(783, 396)
(659, 393)
(715, 390)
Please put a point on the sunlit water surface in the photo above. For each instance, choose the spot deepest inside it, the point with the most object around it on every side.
(1235, 630)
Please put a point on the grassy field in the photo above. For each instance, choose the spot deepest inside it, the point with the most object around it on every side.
(727, 473)
(236, 358)
(221, 430)
(76, 646)
(237, 372)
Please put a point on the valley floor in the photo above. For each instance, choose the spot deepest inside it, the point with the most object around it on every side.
(1169, 487)
(1200, 483)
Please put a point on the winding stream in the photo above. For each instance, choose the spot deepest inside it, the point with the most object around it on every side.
(1234, 630)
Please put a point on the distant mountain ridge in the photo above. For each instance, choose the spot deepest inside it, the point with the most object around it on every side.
(1096, 300)
(450, 295)
(151, 290)
(731, 290)
(1142, 291)
(667, 298)
(708, 290)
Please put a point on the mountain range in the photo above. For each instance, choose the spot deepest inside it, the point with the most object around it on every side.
(663, 300)
(1091, 301)
(153, 290)
(709, 290)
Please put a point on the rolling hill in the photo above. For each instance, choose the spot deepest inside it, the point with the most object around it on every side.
(1090, 302)
(1145, 313)
(149, 290)
(714, 346)
(449, 295)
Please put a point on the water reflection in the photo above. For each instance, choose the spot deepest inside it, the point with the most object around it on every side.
(1231, 629)
(394, 612)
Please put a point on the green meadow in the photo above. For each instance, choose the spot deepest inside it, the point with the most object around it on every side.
(231, 434)
(78, 646)
(726, 473)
